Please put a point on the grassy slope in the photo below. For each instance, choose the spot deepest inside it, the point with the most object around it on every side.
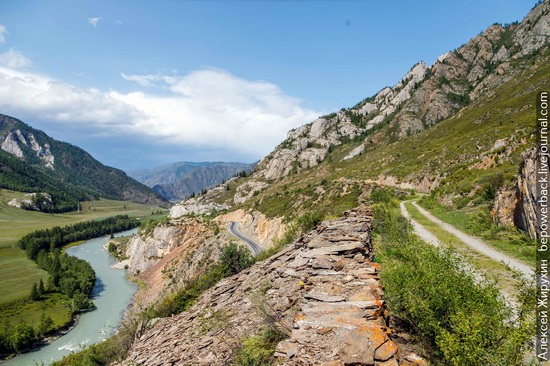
(17, 273)
(447, 149)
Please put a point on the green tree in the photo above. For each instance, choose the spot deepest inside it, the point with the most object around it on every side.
(41, 289)
(5, 334)
(81, 301)
(235, 258)
(34, 293)
(22, 336)
(45, 325)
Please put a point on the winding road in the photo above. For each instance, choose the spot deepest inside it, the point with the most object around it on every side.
(232, 228)
(472, 241)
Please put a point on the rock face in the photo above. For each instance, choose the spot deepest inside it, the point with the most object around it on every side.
(144, 251)
(423, 185)
(323, 291)
(246, 190)
(525, 216)
(256, 225)
(355, 152)
(197, 206)
(11, 145)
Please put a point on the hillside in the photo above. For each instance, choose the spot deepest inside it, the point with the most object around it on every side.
(31, 161)
(179, 180)
(458, 129)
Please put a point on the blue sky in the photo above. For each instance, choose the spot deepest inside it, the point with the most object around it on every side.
(144, 83)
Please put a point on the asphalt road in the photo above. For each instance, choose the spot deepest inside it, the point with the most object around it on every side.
(232, 228)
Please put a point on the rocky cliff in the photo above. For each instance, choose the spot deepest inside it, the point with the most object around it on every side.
(256, 225)
(322, 292)
(525, 202)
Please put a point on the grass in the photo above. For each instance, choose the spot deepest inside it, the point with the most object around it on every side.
(17, 274)
(496, 270)
(477, 222)
(55, 305)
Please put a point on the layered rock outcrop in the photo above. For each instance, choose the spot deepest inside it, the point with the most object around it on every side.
(525, 214)
(323, 291)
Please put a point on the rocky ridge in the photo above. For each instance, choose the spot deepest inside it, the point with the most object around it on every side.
(425, 96)
(322, 291)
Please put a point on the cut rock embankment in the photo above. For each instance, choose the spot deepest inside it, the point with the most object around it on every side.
(323, 291)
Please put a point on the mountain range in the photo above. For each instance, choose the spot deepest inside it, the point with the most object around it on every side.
(179, 180)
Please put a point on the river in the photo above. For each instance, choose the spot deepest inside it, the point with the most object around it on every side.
(111, 295)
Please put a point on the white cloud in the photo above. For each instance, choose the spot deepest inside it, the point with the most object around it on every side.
(14, 59)
(94, 21)
(206, 109)
(3, 32)
(213, 108)
(46, 98)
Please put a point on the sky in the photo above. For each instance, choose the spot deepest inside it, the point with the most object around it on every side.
(144, 83)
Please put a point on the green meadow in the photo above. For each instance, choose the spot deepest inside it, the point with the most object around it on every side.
(17, 273)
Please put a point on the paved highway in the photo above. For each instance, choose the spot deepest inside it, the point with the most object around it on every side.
(232, 228)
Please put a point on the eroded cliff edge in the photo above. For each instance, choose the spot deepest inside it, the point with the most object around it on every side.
(322, 292)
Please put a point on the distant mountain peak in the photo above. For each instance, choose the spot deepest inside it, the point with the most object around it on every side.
(179, 180)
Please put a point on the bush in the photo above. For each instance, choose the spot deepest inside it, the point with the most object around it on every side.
(259, 349)
(235, 258)
(112, 248)
(463, 320)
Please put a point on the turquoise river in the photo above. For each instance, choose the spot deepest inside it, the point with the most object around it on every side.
(111, 295)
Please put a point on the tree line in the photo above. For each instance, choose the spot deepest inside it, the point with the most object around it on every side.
(49, 239)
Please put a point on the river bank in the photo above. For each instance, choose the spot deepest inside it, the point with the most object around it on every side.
(112, 295)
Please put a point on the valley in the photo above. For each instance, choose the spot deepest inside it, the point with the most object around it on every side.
(18, 273)
(401, 231)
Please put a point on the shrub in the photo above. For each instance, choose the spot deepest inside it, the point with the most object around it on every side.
(463, 320)
(259, 349)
